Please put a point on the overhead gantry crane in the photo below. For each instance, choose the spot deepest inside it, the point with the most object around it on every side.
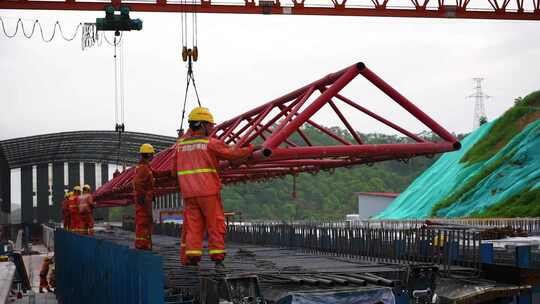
(464, 9)
(277, 122)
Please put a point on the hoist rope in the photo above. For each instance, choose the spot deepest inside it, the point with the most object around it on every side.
(122, 82)
(119, 96)
(115, 82)
(189, 79)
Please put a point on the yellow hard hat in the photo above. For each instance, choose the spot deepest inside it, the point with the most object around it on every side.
(86, 187)
(147, 149)
(201, 114)
(77, 188)
(47, 258)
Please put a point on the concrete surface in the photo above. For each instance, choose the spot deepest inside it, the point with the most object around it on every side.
(7, 272)
(33, 267)
(37, 298)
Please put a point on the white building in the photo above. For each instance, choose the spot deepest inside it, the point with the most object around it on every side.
(372, 203)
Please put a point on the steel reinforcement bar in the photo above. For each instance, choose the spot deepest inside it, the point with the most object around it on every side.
(445, 247)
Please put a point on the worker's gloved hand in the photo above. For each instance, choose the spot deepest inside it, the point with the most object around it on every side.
(141, 199)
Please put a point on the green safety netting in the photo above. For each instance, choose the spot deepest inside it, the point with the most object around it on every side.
(447, 175)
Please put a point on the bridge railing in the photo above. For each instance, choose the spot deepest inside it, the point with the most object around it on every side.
(47, 235)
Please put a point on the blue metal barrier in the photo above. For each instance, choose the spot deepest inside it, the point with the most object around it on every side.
(97, 271)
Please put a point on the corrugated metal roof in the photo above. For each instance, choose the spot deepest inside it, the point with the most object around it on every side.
(384, 194)
(79, 146)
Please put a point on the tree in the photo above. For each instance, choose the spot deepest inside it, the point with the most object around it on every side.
(325, 195)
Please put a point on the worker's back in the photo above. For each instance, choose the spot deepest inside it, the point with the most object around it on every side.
(197, 167)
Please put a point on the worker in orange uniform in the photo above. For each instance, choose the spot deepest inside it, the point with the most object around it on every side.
(76, 224)
(196, 165)
(65, 210)
(143, 195)
(86, 208)
(43, 273)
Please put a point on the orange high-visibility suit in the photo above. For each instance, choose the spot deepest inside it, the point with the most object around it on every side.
(43, 283)
(143, 195)
(196, 165)
(66, 213)
(75, 221)
(86, 208)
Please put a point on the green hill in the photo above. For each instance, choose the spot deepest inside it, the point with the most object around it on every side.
(496, 173)
(324, 195)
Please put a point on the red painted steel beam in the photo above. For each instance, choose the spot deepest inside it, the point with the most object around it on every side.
(332, 8)
(347, 76)
(359, 150)
(296, 112)
(407, 105)
(379, 118)
(345, 122)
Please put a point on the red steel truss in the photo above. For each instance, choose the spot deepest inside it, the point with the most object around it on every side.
(482, 9)
(279, 128)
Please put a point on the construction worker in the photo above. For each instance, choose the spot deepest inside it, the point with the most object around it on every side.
(75, 221)
(196, 166)
(86, 208)
(43, 273)
(65, 210)
(143, 195)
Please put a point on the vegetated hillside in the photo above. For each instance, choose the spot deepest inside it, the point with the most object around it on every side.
(321, 196)
(324, 195)
(496, 173)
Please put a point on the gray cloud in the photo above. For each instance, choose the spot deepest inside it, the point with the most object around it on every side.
(248, 60)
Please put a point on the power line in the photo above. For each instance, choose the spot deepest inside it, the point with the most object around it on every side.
(36, 23)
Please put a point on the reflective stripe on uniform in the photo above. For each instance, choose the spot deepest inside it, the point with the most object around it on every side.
(216, 251)
(193, 141)
(193, 252)
(141, 238)
(196, 171)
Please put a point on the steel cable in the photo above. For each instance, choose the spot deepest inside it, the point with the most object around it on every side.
(20, 25)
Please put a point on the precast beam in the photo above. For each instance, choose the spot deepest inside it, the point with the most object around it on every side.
(74, 175)
(90, 175)
(104, 173)
(58, 190)
(5, 185)
(27, 195)
(42, 193)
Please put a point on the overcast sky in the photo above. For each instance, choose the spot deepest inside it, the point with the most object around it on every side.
(247, 60)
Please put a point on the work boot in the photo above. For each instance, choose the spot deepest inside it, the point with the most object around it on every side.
(220, 266)
(41, 290)
(193, 264)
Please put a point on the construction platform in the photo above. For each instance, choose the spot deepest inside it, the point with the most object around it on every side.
(279, 275)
